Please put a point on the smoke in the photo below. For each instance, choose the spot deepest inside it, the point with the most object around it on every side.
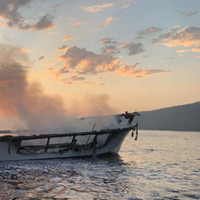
(93, 105)
(26, 101)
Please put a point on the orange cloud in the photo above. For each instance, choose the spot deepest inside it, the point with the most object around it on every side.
(110, 49)
(2, 16)
(22, 50)
(196, 49)
(3, 24)
(63, 48)
(128, 70)
(80, 61)
(188, 36)
(105, 23)
(67, 38)
(129, 5)
(45, 23)
(50, 69)
(97, 8)
(66, 82)
(183, 51)
(107, 41)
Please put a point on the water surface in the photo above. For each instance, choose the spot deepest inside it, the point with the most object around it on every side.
(160, 165)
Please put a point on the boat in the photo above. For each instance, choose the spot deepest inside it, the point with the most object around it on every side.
(68, 145)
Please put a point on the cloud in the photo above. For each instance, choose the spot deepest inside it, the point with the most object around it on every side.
(97, 8)
(186, 37)
(3, 24)
(105, 23)
(79, 82)
(86, 62)
(110, 49)
(190, 14)
(41, 58)
(50, 69)
(113, 47)
(150, 31)
(44, 23)
(196, 49)
(39, 112)
(9, 10)
(22, 50)
(177, 26)
(198, 57)
(67, 38)
(182, 50)
(129, 5)
(107, 41)
(63, 48)
(128, 70)
(76, 78)
(80, 61)
(133, 48)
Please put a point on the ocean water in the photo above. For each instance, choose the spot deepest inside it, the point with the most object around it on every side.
(160, 165)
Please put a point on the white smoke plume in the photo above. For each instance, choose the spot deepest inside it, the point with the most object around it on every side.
(26, 101)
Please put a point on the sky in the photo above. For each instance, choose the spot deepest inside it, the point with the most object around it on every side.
(93, 57)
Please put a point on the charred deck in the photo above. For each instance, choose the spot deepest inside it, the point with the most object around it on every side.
(61, 147)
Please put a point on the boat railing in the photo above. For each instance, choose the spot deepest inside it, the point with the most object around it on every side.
(91, 143)
(60, 147)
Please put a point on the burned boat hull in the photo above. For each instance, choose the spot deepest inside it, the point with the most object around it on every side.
(103, 142)
(68, 145)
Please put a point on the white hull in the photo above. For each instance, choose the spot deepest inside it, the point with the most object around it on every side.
(9, 150)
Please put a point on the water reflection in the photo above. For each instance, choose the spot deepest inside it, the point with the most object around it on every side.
(104, 178)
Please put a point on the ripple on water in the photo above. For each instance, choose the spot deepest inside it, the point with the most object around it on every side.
(151, 168)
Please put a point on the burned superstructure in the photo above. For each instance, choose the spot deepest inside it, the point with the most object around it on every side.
(66, 144)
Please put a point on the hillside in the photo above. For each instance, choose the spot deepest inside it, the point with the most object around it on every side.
(178, 118)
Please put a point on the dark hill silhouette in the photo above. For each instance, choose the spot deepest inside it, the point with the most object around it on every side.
(178, 118)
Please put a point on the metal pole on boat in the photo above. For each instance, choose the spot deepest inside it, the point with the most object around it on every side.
(90, 135)
(93, 127)
(136, 127)
(95, 148)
